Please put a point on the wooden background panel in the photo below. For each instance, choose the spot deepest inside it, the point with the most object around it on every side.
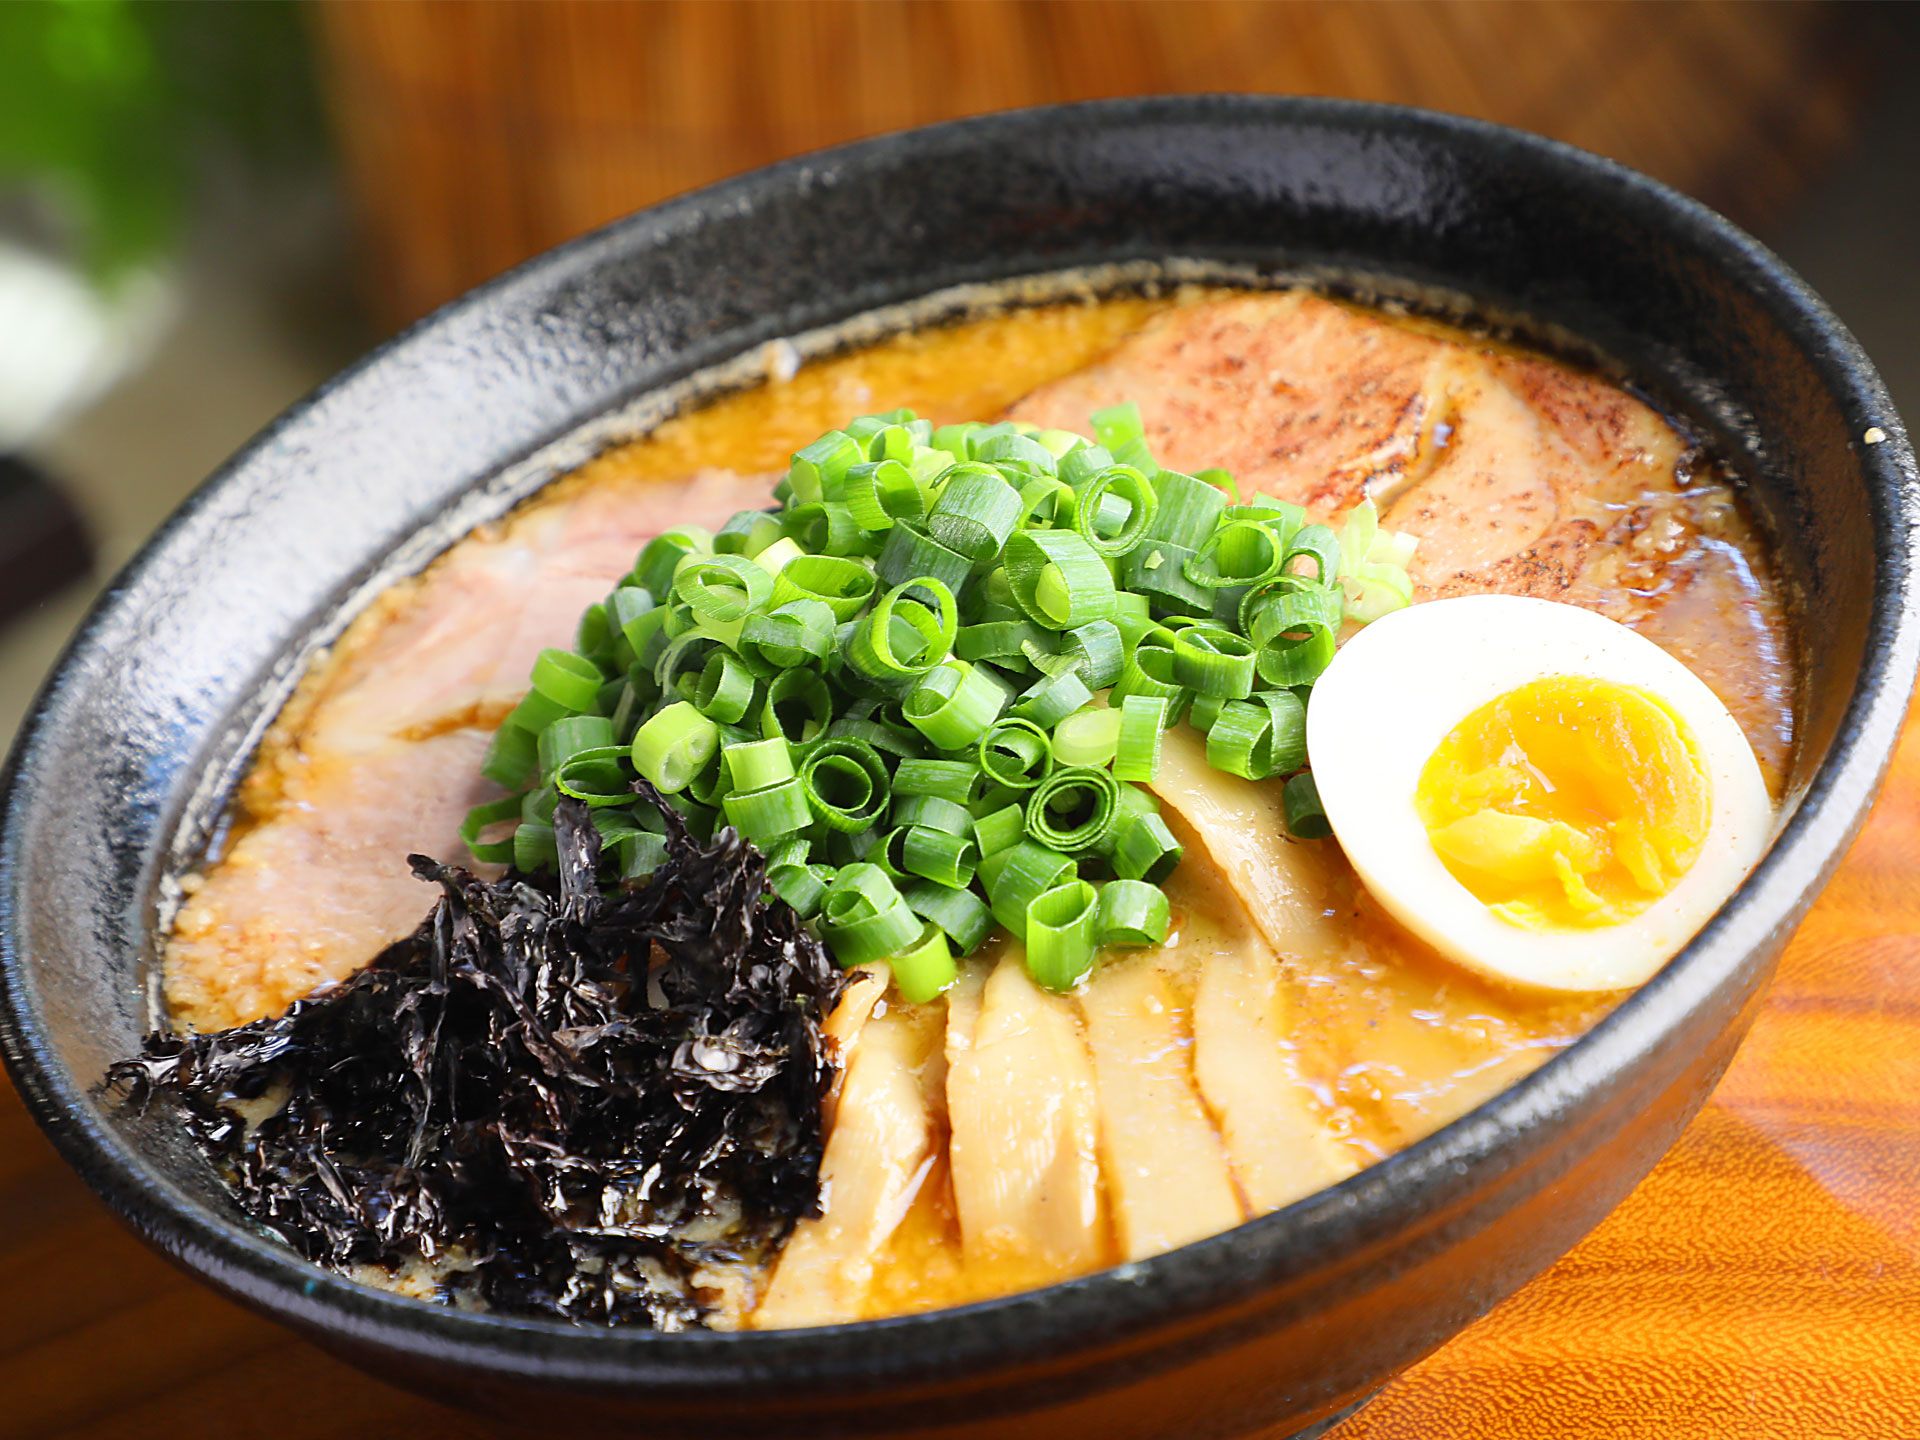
(478, 134)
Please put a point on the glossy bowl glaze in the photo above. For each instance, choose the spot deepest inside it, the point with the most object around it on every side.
(1276, 1325)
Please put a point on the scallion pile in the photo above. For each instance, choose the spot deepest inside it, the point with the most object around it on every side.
(893, 685)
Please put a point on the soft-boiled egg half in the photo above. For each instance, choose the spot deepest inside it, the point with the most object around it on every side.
(1535, 790)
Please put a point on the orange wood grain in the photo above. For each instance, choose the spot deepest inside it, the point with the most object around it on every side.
(478, 132)
(1763, 1283)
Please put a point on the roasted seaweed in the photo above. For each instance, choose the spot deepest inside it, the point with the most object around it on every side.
(569, 1103)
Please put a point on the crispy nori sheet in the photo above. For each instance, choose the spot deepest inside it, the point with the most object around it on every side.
(526, 1087)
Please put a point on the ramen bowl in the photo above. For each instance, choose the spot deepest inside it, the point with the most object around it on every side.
(1280, 1325)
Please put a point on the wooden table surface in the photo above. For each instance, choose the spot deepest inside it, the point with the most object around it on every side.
(1764, 1281)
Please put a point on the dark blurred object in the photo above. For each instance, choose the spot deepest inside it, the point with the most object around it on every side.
(44, 544)
(477, 134)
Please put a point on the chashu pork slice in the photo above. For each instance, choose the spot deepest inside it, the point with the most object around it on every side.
(1024, 1148)
(1509, 467)
(1519, 474)
(1279, 1144)
(390, 739)
(1163, 1160)
(885, 1138)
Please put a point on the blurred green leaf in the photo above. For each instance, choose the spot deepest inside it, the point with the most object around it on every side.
(108, 104)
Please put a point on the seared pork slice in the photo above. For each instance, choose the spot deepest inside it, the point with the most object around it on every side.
(318, 891)
(1165, 1168)
(1295, 395)
(1504, 465)
(1024, 1149)
(389, 742)
(884, 1140)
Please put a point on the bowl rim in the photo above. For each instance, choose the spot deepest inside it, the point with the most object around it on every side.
(1225, 1272)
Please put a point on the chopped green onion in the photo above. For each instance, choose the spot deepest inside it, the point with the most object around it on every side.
(1060, 928)
(1141, 847)
(640, 854)
(1318, 544)
(1015, 753)
(727, 688)
(512, 757)
(1143, 719)
(1000, 829)
(1114, 510)
(954, 703)
(976, 512)
(653, 571)
(930, 811)
(863, 917)
(1118, 425)
(1149, 672)
(799, 632)
(846, 784)
(1073, 808)
(1010, 445)
(534, 847)
(1289, 716)
(774, 554)
(925, 967)
(1045, 503)
(570, 681)
(999, 639)
(760, 763)
(801, 886)
(1213, 661)
(1306, 817)
(1375, 590)
(598, 777)
(959, 781)
(880, 492)
(938, 855)
(1088, 737)
(1157, 569)
(765, 815)
(721, 588)
(1051, 699)
(1015, 877)
(827, 527)
(1261, 740)
(896, 621)
(1188, 510)
(843, 585)
(674, 746)
(961, 914)
(1096, 651)
(887, 738)
(1081, 465)
(1057, 579)
(1131, 912)
(481, 817)
(798, 707)
(909, 553)
(1242, 552)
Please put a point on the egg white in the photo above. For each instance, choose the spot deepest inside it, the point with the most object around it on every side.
(1394, 692)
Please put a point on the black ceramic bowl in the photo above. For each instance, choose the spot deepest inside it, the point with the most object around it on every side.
(1280, 1323)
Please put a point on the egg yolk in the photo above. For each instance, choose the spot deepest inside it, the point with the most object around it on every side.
(1567, 803)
